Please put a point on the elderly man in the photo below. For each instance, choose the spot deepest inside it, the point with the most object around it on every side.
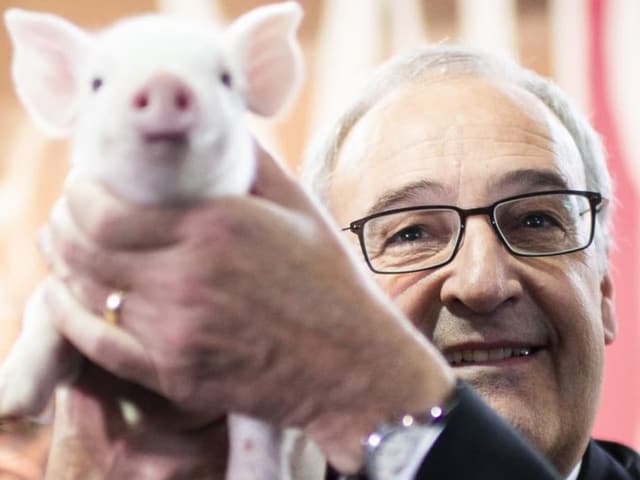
(478, 199)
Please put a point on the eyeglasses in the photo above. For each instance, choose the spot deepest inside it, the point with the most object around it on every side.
(419, 238)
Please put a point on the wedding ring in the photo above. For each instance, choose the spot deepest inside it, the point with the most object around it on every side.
(113, 307)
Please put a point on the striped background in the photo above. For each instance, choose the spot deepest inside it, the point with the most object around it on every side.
(588, 46)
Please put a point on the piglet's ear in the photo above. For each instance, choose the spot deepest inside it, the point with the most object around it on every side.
(47, 56)
(269, 54)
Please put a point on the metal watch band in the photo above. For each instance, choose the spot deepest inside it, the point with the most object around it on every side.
(435, 416)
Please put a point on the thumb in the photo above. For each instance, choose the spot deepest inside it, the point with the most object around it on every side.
(275, 183)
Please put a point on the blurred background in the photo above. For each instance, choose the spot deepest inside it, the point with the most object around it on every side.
(588, 46)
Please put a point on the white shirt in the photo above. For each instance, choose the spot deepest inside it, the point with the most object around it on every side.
(574, 473)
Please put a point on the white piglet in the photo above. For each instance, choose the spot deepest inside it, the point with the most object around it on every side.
(156, 110)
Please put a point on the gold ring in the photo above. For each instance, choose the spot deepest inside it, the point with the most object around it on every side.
(113, 307)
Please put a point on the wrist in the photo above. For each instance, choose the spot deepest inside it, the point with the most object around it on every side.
(396, 449)
(413, 385)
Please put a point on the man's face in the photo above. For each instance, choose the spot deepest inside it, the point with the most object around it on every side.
(469, 142)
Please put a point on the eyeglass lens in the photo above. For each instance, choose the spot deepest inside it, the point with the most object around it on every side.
(545, 224)
(536, 225)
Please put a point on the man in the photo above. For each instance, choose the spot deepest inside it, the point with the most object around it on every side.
(479, 198)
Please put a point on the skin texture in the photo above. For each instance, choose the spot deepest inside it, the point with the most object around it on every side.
(92, 441)
(204, 301)
(214, 324)
(467, 137)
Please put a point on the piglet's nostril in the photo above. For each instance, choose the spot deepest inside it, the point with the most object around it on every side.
(164, 110)
(141, 101)
(164, 94)
(182, 100)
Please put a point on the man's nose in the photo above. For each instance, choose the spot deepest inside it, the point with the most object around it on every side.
(482, 275)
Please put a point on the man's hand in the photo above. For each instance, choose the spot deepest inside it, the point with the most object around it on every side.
(247, 304)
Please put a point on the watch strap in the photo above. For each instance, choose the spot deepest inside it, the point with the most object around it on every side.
(420, 430)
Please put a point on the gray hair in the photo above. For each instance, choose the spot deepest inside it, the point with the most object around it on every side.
(443, 61)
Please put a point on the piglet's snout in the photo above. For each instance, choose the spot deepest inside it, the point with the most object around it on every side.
(164, 109)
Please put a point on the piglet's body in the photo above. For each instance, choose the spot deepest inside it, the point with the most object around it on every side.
(155, 107)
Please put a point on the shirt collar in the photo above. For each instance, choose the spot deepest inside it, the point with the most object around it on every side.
(574, 473)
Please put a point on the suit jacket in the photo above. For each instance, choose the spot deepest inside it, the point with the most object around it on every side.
(609, 461)
(477, 444)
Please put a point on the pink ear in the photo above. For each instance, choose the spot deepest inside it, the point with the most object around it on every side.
(264, 40)
(47, 55)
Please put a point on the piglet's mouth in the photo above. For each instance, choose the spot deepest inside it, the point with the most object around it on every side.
(167, 137)
(475, 356)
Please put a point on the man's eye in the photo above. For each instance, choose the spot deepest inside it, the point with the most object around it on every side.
(539, 220)
(408, 234)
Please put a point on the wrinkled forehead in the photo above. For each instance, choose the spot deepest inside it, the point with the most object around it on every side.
(466, 141)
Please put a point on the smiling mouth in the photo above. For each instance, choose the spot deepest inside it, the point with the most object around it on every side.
(483, 356)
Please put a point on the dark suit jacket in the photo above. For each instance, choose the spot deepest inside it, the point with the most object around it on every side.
(477, 444)
(609, 460)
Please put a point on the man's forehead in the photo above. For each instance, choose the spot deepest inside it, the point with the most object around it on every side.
(445, 110)
(429, 192)
(462, 131)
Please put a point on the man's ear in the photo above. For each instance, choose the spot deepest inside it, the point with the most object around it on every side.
(609, 321)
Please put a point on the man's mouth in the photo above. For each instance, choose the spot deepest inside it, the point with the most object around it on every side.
(473, 356)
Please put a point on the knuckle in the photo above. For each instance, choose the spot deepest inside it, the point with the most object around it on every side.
(73, 252)
(86, 293)
(101, 225)
(80, 260)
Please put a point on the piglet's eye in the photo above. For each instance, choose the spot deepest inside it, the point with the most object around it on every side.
(96, 83)
(225, 78)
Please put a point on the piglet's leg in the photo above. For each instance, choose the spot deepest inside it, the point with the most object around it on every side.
(39, 359)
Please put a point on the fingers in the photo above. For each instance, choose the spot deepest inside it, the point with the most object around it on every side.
(80, 263)
(118, 224)
(342, 447)
(156, 410)
(276, 184)
(122, 351)
(111, 347)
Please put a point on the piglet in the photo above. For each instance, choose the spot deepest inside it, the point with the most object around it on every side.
(155, 107)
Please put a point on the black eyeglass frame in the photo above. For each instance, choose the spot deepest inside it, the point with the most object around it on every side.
(596, 203)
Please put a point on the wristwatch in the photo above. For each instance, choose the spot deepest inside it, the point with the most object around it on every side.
(396, 449)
